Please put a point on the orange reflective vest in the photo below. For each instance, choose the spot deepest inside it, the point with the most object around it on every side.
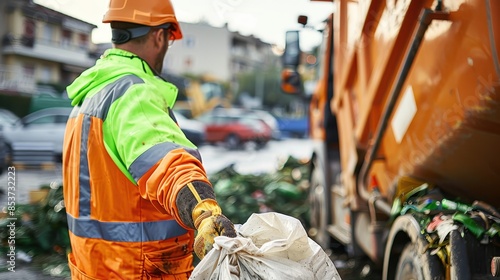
(124, 160)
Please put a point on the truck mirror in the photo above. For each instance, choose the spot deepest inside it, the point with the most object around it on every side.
(302, 20)
(290, 81)
(291, 56)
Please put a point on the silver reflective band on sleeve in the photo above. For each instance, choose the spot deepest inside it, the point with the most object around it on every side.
(124, 231)
(99, 104)
(84, 179)
(149, 158)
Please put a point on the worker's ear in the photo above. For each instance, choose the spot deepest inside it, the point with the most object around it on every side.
(160, 37)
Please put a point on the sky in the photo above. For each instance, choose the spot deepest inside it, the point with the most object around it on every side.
(264, 19)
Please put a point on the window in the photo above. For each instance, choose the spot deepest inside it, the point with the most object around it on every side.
(29, 70)
(66, 37)
(48, 33)
(61, 119)
(211, 90)
(55, 118)
(28, 38)
(46, 74)
(188, 41)
(29, 28)
(188, 62)
(42, 120)
(84, 40)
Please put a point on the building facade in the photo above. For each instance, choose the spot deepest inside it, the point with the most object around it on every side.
(249, 53)
(41, 46)
(216, 51)
(203, 50)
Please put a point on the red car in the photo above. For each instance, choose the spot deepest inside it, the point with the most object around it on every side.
(234, 130)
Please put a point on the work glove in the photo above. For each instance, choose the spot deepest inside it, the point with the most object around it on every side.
(210, 223)
(199, 210)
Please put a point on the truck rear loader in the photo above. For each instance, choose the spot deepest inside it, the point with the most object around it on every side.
(405, 120)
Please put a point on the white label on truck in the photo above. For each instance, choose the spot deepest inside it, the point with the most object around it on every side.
(404, 114)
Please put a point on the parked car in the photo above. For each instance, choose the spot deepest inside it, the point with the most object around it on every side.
(7, 118)
(40, 130)
(294, 127)
(193, 129)
(3, 152)
(269, 119)
(234, 129)
(262, 115)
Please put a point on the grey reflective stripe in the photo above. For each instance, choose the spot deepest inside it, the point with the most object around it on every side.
(96, 106)
(149, 158)
(74, 112)
(125, 231)
(84, 199)
(194, 152)
(99, 104)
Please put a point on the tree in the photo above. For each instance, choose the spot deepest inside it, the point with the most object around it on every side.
(266, 83)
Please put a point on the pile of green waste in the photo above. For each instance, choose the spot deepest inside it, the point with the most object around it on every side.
(41, 232)
(439, 216)
(284, 191)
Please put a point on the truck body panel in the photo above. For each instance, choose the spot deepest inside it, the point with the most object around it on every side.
(446, 120)
(412, 90)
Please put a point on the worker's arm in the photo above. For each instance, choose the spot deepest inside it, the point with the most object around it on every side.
(165, 165)
(199, 209)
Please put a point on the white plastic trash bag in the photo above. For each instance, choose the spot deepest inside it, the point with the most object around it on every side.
(268, 246)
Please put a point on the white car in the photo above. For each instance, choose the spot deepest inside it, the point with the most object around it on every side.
(7, 118)
(3, 152)
(39, 131)
(270, 120)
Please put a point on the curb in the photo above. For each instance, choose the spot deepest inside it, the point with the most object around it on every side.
(47, 166)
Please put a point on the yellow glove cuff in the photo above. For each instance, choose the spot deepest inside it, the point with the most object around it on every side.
(205, 208)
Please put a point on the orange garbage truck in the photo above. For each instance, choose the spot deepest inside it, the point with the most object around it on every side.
(405, 120)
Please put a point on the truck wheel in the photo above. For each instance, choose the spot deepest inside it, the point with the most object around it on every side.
(319, 207)
(406, 254)
(232, 142)
(410, 265)
(9, 156)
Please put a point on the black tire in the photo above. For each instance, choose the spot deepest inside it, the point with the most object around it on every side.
(232, 142)
(415, 265)
(261, 144)
(319, 209)
(407, 254)
(410, 265)
(9, 157)
(58, 158)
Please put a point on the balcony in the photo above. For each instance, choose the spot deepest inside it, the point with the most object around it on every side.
(47, 50)
(12, 80)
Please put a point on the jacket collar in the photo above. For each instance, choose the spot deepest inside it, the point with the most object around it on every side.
(128, 58)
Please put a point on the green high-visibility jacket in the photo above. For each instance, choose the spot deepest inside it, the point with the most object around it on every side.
(124, 161)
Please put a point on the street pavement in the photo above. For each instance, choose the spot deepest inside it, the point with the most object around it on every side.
(26, 179)
(22, 180)
(214, 159)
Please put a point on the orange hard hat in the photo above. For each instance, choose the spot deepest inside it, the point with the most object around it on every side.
(149, 13)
